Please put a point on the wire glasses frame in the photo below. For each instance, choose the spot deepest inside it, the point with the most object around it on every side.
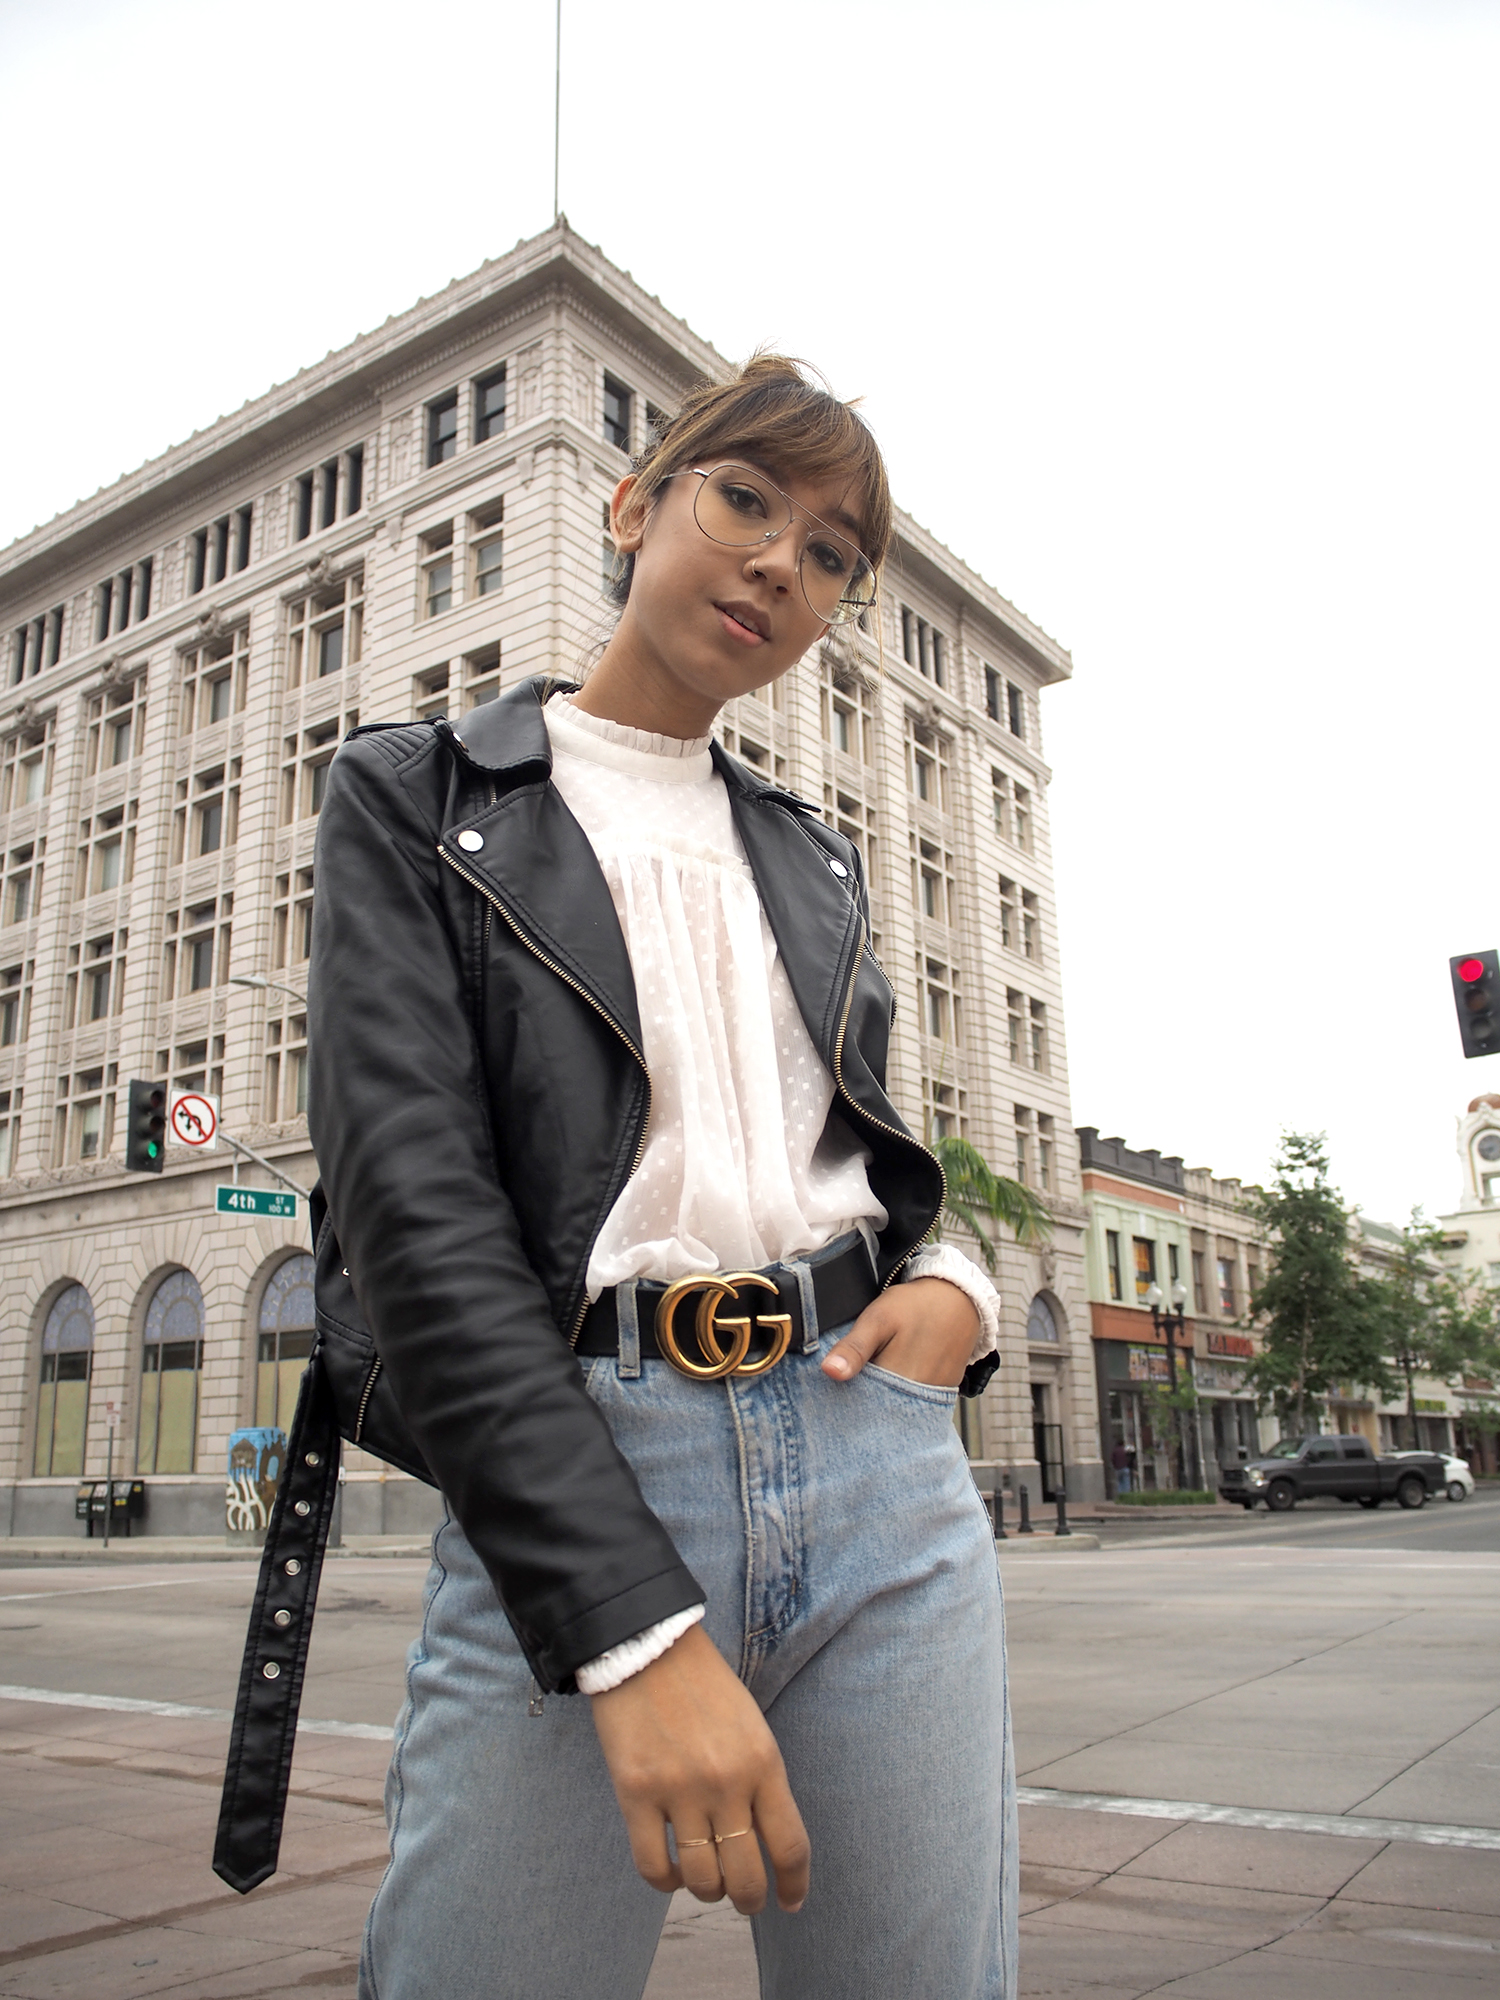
(740, 508)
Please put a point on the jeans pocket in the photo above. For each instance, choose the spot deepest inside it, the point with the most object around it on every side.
(934, 1393)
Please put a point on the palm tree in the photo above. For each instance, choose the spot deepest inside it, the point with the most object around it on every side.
(975, 1194)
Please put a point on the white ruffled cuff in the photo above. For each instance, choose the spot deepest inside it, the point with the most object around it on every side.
(620, 1662)
(946, 1260)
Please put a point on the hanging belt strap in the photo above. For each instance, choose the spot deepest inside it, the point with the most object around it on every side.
(261, 1742)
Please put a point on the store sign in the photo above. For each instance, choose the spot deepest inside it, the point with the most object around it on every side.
(1431, 1406)
(1149, 1364)
(1237, 1344)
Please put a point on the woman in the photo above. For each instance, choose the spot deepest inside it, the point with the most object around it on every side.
(598, 1053)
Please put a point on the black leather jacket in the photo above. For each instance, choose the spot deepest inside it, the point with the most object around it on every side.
(478, 1099)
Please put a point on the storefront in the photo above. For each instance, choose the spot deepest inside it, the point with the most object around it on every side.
(1130, 1416)
(1228, 1429)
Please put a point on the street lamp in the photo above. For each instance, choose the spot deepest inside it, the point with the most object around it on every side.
(265, 985)
(1166, 1326)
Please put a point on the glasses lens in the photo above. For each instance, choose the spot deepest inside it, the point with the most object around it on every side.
(739, 508)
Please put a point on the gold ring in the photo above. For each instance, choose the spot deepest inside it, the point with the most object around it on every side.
(739, 1834)
(710, 1842)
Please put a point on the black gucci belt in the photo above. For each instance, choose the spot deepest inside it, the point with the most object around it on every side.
(740, 1323)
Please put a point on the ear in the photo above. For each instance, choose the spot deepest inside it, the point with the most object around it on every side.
(627, 516)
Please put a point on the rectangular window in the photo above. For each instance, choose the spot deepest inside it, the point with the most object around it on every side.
(925, 777)
(215, 679)
(1145, 1266)
(328, 493)
(992, 694)
(1023, 1145)
(325, 631)
(15, 1005)
(1040, 1060)
(1000, 802)
(303, 500)
(1015, 1007)
(489, 406)
(437, 571)
(354, 479)
(1016, 710)
(931, 895)
(489, 557)
(1200, 1292)
(1226, 1286)
(1044, 1151)
(1112, 1261)
(1023, 818)
(442, 429)
(1031, 927)
(1007, 913)
(198, 956)
(908, 635)
(1172, 1269)
(617, 400)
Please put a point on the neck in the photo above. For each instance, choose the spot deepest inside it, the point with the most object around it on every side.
(628, 688)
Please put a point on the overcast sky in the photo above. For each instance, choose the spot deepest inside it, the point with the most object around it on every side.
(1177, 321)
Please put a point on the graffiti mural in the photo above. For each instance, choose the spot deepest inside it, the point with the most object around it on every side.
(256, 1457)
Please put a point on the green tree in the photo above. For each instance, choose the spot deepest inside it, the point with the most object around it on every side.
(1437, 1323)
(1322, 1323)
(975, 1195)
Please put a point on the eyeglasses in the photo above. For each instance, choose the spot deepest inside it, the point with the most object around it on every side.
(740, 508)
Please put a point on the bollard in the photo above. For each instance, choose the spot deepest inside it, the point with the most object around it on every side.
(1061, 1496)
(999, 1500)
(1026, 1527)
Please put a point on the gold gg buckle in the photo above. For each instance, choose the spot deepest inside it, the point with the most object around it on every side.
(716, 1287)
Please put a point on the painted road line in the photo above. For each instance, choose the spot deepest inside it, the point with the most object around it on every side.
(1343, 1824)
(95, 1589)
(370, 1732)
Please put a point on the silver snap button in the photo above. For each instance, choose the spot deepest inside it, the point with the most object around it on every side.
(302, 1508)
(282, 1618)
(470, 841)
(294, 1568)
(312, 1459)
(838, 867)
(271, 1671)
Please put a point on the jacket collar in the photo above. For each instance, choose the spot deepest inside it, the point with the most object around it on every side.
(537, 863)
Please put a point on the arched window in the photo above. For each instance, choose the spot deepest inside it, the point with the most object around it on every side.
(170, 1362)
(286, 1338)
(62, 1418)
(1040, 1324)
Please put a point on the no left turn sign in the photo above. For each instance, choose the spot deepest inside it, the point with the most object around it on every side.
(194, 1120)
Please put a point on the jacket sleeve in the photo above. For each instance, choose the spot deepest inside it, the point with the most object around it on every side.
(399, 1120)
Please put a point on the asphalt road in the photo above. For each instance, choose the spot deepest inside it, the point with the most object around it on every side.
(1330, 1664)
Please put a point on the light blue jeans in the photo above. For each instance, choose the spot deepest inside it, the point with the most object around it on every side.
(851, 1580)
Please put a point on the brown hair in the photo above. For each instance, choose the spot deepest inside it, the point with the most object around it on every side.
(772, 413)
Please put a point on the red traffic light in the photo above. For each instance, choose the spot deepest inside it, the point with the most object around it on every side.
(1470, 969)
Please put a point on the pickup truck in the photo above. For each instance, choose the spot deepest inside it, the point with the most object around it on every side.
(1305, 1468)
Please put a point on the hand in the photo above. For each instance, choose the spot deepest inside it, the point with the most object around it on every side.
(688, 1748)
(924, 1330)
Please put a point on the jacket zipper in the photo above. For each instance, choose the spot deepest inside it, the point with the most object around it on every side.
(584, 994)
(838, 1077)
(364, 1401)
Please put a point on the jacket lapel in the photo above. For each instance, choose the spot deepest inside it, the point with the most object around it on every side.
(536, 862)
(811, 910)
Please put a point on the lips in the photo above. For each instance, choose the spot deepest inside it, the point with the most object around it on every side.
(747, 617)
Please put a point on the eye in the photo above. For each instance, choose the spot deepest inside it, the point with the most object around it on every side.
(831, 557)
(743, 499)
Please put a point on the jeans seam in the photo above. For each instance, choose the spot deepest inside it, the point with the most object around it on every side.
(419, 1659)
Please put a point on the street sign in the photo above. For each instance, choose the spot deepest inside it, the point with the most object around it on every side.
(254, 1201)
(193, 1120)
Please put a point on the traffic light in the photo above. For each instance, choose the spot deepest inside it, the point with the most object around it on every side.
(1476, 992)
(146, 1129)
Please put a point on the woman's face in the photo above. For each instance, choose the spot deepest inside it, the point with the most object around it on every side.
(712, 621)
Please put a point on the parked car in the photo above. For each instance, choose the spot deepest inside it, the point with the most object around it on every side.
(1460, 1478)
(1306, 1468)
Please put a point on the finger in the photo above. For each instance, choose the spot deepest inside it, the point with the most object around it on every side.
(785, 1838)
(860, 1344)
(647, 1831)
(698, 1861)
(741, 1866)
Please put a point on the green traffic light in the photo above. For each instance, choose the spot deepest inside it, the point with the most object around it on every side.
(151, 1149)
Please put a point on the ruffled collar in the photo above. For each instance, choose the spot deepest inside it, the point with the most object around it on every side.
(641, 753)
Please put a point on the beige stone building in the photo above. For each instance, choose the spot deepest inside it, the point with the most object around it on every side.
(404, 529)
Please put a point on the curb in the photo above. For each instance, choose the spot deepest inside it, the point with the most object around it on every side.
(1044, 1539)
(183, 1548)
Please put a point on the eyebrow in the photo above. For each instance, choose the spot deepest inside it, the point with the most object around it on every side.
(856, 528)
